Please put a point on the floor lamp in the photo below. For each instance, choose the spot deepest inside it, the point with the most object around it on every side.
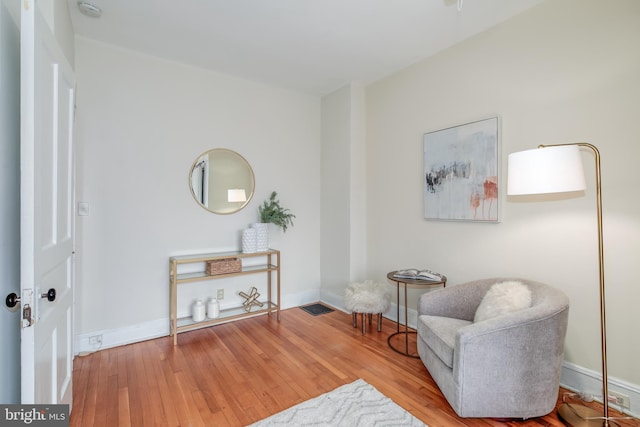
(557, 169)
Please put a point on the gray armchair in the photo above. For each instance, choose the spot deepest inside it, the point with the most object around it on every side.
(504, 367)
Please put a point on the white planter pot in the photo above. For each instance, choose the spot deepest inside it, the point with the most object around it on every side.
(262, 236)
(249, 241)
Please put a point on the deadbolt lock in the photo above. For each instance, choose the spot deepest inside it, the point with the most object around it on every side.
(27, 317)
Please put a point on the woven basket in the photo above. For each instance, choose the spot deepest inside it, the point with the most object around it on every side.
(224, 266)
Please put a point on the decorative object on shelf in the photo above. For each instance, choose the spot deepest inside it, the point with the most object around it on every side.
(460, 175)
(557, 169)
(249, 241)
(262, 236)
(197, 311)
(251, 299)
(271, 212)
(223, 266)
(213, 308)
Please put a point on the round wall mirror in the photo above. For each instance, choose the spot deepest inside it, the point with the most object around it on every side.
(221, 181)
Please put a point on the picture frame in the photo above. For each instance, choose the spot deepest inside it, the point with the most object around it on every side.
(461, 179)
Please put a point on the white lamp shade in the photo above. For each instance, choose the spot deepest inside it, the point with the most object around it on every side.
(236, 195)
(552, 169)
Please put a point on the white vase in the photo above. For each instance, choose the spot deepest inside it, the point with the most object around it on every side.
(249, 241)
(262, 236)
(198, 311)
(213, 308)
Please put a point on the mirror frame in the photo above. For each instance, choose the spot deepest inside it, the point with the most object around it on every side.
(241, 161)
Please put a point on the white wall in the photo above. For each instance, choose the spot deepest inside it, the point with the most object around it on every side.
(335, 206)
(141, 122)
(343, 241)
(56, 14)
(358, 185)
(565, 71)
(10, 196)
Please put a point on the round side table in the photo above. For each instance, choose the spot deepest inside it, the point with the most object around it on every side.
(414, 283)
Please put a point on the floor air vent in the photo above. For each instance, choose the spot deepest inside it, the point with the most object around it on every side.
(317, 309)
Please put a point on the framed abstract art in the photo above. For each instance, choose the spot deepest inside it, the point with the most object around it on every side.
(460, 176)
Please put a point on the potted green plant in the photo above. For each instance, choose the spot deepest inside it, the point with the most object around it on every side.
(271, 212)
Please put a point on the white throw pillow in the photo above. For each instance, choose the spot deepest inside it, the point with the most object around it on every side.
(503, 298)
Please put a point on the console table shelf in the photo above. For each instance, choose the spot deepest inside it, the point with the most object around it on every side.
(183, 324)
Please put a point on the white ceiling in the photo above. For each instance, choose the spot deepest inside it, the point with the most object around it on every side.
(314, 46)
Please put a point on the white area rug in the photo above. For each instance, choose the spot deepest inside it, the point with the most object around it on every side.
(355, 404)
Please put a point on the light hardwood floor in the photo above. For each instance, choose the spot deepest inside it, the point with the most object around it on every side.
(238, 373)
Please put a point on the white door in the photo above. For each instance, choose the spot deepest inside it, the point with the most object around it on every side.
(46, 213)
(10, 203)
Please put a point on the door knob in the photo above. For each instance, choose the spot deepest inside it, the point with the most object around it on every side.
(12, 300)
(49, 295)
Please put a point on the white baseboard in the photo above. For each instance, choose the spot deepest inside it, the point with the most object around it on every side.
(336, 301)
(579, 379)
(108, 338)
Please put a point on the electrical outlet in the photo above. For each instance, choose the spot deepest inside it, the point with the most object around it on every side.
(620, 399)
(220, 294)
(95, 340)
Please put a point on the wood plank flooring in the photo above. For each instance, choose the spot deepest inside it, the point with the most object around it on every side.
(238, 373)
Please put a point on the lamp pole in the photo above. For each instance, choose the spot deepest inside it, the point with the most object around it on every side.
(527, 180)
(567, 413)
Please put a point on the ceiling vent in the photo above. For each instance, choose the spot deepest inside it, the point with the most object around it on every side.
(89, 9)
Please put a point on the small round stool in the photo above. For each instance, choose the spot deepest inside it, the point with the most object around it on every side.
(367, 298)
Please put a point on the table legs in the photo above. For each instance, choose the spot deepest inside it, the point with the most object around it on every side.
(406, 330)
